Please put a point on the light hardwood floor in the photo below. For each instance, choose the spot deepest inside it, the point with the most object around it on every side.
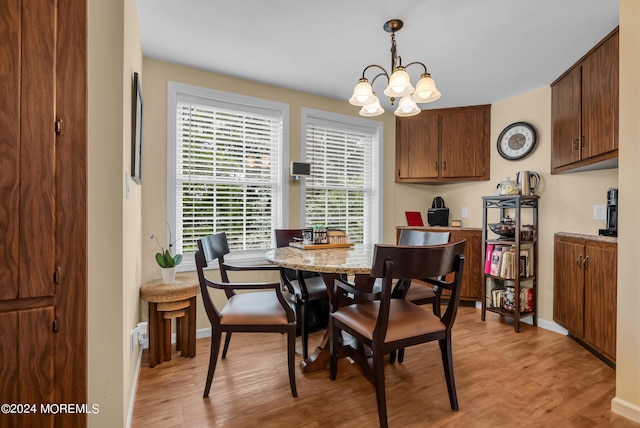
(535, 378)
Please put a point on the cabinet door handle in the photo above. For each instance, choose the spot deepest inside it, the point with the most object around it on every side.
(582, 145)
(585, 263)
(444, 165)
(436, 165)
(578, 261)
(575, 144)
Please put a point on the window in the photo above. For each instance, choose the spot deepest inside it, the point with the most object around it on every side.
(343, 190)
(226, 157)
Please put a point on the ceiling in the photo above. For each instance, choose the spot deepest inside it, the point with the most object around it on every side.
(478, 52)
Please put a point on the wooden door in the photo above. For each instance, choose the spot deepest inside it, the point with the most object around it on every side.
(600, 99)
(43, 212)
(601, 270)
(417, 145)
(565, 119)
(568, 284)
(462, 143)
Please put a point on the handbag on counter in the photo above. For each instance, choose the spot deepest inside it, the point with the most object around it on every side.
(438, 214)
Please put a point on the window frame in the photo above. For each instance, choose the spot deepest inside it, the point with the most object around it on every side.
(349, 122)
(212, 97)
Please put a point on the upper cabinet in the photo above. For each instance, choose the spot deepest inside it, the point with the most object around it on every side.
(584, 111)
(446, 145)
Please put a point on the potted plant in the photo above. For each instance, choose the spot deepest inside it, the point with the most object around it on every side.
(166, 261)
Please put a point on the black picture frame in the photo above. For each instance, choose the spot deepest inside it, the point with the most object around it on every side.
(136, 130)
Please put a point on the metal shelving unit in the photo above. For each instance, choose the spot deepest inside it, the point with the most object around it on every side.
(513, 204)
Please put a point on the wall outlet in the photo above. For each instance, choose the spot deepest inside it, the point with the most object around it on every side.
(599, 212)
(464, 212)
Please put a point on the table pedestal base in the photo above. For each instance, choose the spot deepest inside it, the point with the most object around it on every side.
(320, 358)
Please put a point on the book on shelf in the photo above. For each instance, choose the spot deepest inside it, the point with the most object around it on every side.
(528, 249)
(524, 268)
(497, 300)
(487, 259)
(496, 261)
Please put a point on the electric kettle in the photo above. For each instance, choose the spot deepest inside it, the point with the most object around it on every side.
(528, 182)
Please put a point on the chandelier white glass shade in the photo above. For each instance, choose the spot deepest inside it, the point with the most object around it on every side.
(398, 84)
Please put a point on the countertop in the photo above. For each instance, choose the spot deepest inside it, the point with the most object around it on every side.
(599, 238)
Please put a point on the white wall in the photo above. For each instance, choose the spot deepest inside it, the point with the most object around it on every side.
(627, 401)
(114, 217)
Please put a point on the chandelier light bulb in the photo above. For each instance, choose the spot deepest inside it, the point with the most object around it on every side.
(362, 94)
(399, 84)
(426, 90)
(373, 109)
(407, 107)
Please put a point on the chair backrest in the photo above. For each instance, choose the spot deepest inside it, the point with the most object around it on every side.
(211, 248)
(418, 238)
(283, 238)
(392, 262)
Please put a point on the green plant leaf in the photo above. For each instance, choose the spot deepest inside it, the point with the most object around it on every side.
(168, 259)
(178, 259)
(160, 260)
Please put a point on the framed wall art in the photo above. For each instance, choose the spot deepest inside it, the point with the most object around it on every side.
(136, 130)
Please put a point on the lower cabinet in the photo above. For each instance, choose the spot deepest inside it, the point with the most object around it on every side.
(585, 290)
(472, 278)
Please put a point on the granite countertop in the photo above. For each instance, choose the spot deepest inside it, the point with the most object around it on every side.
(600, 238)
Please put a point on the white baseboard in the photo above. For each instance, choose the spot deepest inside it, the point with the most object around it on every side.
(200, 333)
(626, 409)
(134, 386)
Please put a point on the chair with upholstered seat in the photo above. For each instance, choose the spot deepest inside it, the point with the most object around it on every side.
(384, 324)
(418, 292)
(307, 287)
(264, 308)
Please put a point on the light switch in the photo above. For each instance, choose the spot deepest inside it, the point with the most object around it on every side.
(464, 212)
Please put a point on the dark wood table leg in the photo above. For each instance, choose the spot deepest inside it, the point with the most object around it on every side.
(179, 336)
(319, 359)
(153, 335)
(191, 322)
(166, 336)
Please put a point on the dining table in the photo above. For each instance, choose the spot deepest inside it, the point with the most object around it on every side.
(352, 263)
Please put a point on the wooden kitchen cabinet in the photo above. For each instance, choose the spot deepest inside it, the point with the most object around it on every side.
(43, 214)
(584, 111)
(585, 290)
(446, 145)
(471, 289)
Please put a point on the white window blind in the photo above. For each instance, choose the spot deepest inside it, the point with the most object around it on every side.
(228, 163)
(343, 189)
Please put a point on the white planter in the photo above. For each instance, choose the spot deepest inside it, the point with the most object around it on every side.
(168, 275)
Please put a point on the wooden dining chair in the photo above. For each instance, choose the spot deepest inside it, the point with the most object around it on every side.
(418, 292)
(384, 324)
(307, 286)
(254, 311)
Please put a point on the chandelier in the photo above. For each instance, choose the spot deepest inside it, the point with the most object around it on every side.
(399, 84)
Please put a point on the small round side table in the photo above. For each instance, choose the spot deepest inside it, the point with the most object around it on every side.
(166, 302)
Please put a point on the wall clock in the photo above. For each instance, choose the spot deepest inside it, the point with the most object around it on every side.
(517, 141)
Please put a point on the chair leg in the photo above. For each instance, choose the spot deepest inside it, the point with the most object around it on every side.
(291, 359)
(392, 356)
(304, 329)
(401, 355)
(447, 363)
(213, 360)
(378, 369)
(333, 361)
(227, 340)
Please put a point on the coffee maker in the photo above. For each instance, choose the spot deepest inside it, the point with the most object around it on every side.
(612, 214)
